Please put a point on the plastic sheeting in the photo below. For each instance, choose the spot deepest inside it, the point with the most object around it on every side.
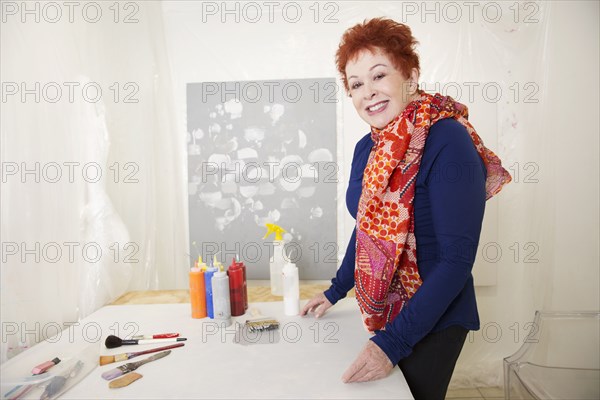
(492, 56)
(89, 154)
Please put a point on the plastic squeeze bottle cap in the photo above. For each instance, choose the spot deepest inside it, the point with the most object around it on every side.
(211, 268)
(289, 261)
(234, 265)
(217, 263)
(272, 228)
(201, 264)
(220, 274)
(235, 260)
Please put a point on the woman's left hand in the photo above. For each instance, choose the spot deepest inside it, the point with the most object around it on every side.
(371, 364)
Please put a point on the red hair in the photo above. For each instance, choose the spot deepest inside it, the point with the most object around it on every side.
(393, 38)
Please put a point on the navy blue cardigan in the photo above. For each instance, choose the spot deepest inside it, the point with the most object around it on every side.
(449, 205)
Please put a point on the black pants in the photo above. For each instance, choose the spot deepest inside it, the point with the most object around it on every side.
(429, 367)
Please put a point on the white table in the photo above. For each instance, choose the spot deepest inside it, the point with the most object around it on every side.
(304, 359)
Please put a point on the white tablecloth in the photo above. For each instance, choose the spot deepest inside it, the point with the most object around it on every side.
(304, 359)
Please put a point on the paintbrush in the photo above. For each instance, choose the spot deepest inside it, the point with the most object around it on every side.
(156, 336)
(128, 356)
(260, 323)
(58, 382)
(125, 368)
(113, 341)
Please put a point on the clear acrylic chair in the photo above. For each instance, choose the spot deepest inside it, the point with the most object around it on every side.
(560, 359)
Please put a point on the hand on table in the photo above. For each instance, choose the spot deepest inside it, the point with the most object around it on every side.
(371, 364)
(318, 304)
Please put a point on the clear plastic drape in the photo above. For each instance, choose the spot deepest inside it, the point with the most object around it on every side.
(92, 178)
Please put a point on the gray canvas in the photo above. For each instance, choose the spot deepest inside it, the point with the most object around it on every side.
(264, 152)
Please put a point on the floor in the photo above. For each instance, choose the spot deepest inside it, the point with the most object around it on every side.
(480, 393)
(259, 291)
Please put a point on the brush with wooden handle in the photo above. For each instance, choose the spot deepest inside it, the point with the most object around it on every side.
(128, 356)
(125, 368)
(125, 380)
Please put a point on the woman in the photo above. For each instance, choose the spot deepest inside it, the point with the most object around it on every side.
(417, 189)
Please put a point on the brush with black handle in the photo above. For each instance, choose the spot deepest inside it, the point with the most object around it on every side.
(113, 341)
(125, 368)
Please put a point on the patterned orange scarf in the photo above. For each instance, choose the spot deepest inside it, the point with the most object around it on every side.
(386, 273)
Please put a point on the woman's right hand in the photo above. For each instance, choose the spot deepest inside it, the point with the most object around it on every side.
(318, 304)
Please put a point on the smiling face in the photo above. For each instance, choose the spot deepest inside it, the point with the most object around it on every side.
(379, 91)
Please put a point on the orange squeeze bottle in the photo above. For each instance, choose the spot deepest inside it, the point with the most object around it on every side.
(197, 290)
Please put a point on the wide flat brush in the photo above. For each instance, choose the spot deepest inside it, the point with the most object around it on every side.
(260, 323)
(128, 356)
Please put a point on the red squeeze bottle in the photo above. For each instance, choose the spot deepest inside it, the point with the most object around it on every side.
(241, 264)
(197, 292)
(236, 289)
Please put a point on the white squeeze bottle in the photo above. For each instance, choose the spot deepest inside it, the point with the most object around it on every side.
(221, 302)
(278, 260)
(291, 289)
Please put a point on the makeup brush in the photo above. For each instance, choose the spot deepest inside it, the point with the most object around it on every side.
(128, 356)
(113, 341)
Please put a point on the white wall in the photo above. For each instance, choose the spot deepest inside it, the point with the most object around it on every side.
(574, 129)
